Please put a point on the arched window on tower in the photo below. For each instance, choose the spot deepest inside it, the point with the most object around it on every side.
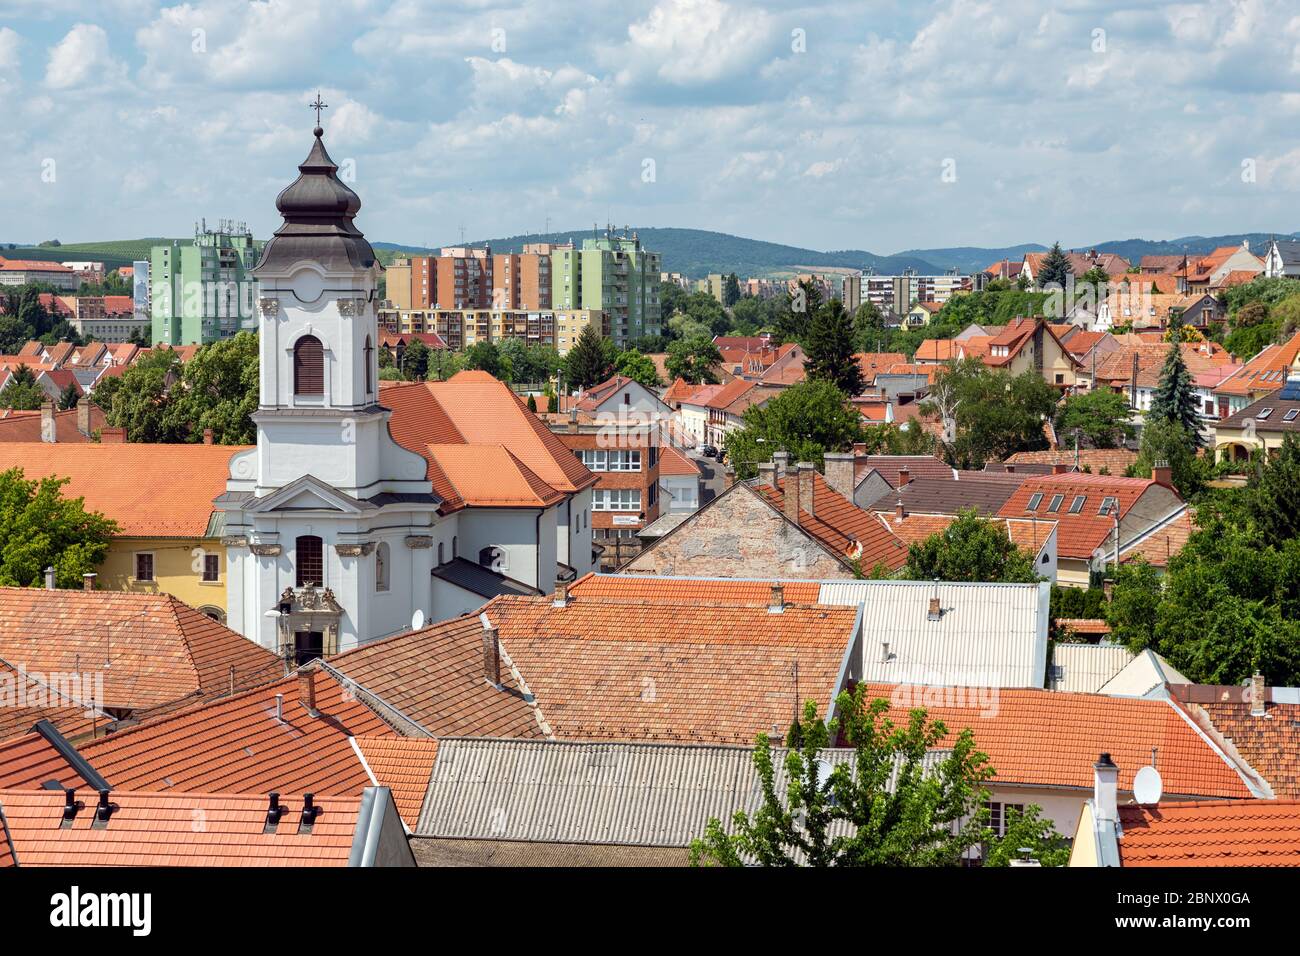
(309, 561)
(309, 366)
(370, 375)
(381, 566)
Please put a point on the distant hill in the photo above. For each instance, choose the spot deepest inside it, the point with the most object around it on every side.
(698, 252)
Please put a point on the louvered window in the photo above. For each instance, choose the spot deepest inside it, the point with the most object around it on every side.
(309, 366)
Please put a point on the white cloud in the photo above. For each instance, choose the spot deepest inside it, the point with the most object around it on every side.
(9, 57)
(80, 57)
(693, 42)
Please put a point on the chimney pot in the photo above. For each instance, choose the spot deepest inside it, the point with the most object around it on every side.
(900, 509)
(207, 436)
(884, 652)
(777, 603)
(48, 433)
(492, 656)
(49, 578)
(88, 581)
(279, 707)
(1257, 691)
(307, 692)
(1105, 790)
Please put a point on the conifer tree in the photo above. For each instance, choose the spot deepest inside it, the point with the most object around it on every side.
(830, 349)
(1055, 268)
(1175, 398)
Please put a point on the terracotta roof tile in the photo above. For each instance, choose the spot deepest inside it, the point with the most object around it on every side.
(1079, 535)
(841, 526)
(158, 649)
(126, 481)
(26, 698)
(639, 670)
(652, 589)
(435, 677)
(1218, 833)
(1160, 547)
(30, 761)
(1052, 738)
(1270, 744)
(673, 462)
(168, 829)
(404, 765)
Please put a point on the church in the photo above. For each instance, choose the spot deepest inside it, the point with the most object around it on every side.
(364, 510)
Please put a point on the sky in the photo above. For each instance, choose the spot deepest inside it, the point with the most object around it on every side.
(876, 125)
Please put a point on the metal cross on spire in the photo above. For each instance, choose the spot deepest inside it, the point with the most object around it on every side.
(318, 106)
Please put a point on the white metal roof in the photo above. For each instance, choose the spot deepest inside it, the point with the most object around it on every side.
(1085, 668)
(988, 635)
(578, 792)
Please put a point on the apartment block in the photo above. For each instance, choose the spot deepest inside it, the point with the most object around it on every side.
(202, 291)
(461, 328)
(611, 274)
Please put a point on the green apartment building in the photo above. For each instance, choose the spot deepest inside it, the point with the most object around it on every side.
(201, 290)
(615, 275)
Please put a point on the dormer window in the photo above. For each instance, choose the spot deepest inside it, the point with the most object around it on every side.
(309, 366)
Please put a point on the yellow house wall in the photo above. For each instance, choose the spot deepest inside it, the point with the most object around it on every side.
(177, 568)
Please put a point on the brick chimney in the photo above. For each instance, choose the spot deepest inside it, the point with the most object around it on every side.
(777, 602)
(1162, 474)
(573, 419)
(782, 461)
(1060, 468)
(904, 476)
(88, 581)
(1105, 790)
(83, 417)
(307, 692)
(839, 472)
(767, 473)
(900, 509)
(790, 499)
(47, 422)
(1257, 691)
(561, 594)
(492, 656)
(806, 470)
(207, 436)
(112, 436)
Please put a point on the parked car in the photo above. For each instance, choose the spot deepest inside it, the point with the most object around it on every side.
(709, 451)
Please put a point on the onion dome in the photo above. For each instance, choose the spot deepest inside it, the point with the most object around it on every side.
(318, 210)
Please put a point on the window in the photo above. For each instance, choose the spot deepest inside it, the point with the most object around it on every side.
(1076, 505)
(1055, 504)
(1035, 500)
(1263, 414)
(998, 813)
(144, 566)
(1291, 415)
(309, 366)
(382, 556)
(599, 459)
(309, 556)
(1060, 378)
(370, 381)
(211, 567)
(1106, 504)
(441, 559)
(616, 499)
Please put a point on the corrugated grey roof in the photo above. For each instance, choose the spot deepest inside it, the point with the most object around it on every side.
(574, 792)
(1085, 668)
(987, 635)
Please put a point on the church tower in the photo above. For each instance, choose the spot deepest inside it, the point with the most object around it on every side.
(328, 518)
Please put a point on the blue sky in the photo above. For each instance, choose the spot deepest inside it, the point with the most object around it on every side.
(875, 125)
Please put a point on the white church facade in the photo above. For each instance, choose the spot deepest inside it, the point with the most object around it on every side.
(336, 532)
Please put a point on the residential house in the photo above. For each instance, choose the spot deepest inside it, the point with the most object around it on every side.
(176, 549)
(680, 481)
(1262, 425)
(1026, 345)
(876, 475)
(1212, 272)
(81, 424)
(1282, 259)
(1263, 374)
(1097, 516)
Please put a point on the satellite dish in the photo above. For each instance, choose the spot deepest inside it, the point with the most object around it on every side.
(1147, 786)
(417, 620)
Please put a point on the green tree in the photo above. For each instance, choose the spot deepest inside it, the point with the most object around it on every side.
(22, 393)
(588, 362)
(807, 420)
(1055, 268)
(1102, 416)
(1175, 398)
(415, 361)
(218, 389)
(989, 414)
(632, 364)
(1028, 830)
(1166, 441)
(532, 404)
(693, 359)
(795, 316)
(1273, 494)
(441, 364)
(970, 549)
(39, 528)
(830, 349)
(731, 291)
(485, 357)
(1135, 602)
(140, 400)
(69, 397)
(898, 811)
